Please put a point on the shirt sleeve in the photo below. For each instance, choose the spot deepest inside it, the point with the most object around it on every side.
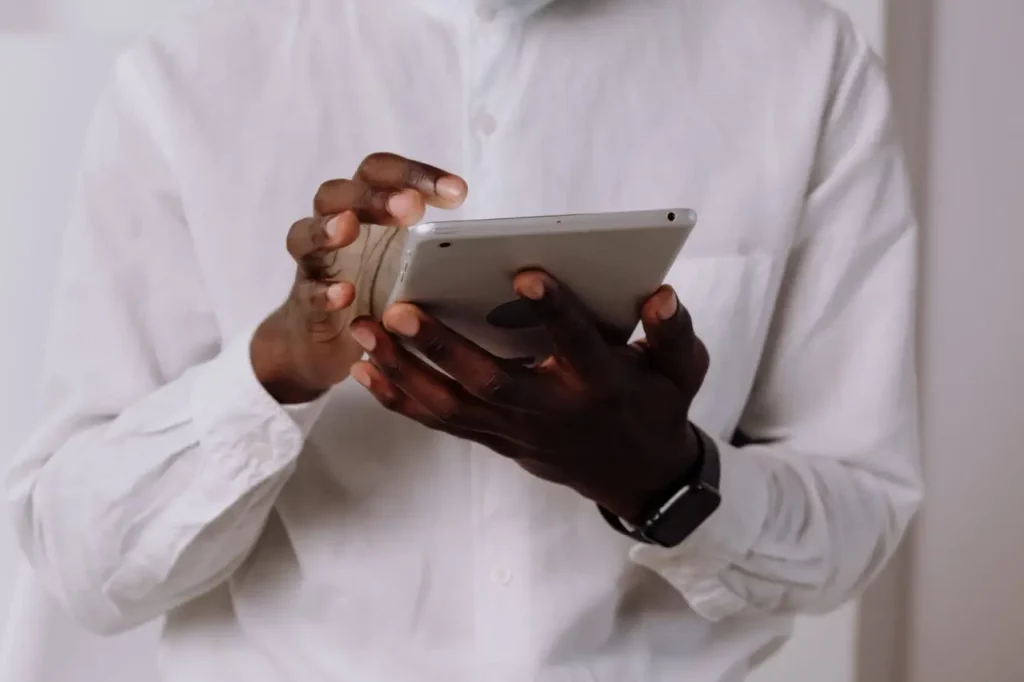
(813, 511)
(160, 455)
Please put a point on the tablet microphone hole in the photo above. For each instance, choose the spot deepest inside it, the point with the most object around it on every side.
(444, 245)
(671, 217)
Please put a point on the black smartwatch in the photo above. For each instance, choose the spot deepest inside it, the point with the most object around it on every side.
(692, 502)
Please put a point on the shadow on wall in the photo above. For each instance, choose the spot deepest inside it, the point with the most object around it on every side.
(883, 635)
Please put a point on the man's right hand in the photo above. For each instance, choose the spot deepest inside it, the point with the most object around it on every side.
(304, 347)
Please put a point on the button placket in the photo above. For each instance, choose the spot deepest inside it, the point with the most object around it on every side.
(485, 43)
(499, 551)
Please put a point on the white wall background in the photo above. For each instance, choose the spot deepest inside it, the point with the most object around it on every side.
(53, 58)
(967, 606)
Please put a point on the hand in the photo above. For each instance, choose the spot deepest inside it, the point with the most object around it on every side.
(303, 348)
(610, 422)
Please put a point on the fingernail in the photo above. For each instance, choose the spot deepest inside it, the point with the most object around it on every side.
(365, 338)
(401, 204)
(334, 292)
(359, 373)
(332, 228)
(533, 288)
(404, 322)
(669, 306)
(450, 187)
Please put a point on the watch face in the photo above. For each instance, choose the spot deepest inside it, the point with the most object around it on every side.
(689, 513)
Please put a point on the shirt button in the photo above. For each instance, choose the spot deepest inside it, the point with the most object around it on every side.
(485, 123)
(501, 576)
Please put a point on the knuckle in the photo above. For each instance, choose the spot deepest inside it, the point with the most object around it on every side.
(302, 292)
(390, 370)
(417, 176)
(295, 236)
(496, 387)
(317, 320)
(322, 201)
(298, 228)
(367, 196)
(316, 296)
(434, 346)
(320, 205)
(316, 233)
(322, 329)
(390, 401)
(375, 168)
(448, 410)
(322, 264)
(373, 162)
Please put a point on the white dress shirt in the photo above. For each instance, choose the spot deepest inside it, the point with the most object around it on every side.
(336, 541)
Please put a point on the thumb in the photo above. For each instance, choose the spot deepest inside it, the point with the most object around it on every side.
(673, 347)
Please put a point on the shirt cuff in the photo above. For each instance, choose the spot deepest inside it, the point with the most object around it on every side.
(696, 567)
(306, 415)
(246, 441)
(250, 432)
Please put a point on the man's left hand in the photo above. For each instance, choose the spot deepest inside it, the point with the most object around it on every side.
(609, 421)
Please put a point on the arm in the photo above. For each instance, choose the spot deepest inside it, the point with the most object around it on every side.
(814, 510)
(160, 455)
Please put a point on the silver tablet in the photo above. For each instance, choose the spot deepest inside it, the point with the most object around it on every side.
(461, 272)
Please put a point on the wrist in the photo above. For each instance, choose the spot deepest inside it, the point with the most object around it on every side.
(275, 368)
(679, 465)
(694, 499)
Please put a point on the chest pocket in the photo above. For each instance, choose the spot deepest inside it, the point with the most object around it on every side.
(730, 298)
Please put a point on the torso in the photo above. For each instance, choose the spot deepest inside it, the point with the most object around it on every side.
(479, 571)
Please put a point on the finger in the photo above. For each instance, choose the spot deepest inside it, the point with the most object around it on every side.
(573, 329)
(311, 240)
(374, 205)
(438, 187)
(386, 393)
(672, 344)
(320, 303)
(448, 402)
(394, 400)
(477, 371)
(325, 296)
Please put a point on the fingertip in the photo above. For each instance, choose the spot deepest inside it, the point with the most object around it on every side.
(401, 309)
(340, 295)
(369, 377)
(452, 189)
(403, 319)
(668, 307)
(365, 323)
(342, 229)
(361, 373)
(407, 207)
(533, 285)
(662, 306)
(363, 336)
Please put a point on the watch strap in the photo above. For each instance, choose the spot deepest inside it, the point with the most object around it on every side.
(706, 471)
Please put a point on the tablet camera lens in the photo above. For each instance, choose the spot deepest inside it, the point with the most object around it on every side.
(444, 245)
